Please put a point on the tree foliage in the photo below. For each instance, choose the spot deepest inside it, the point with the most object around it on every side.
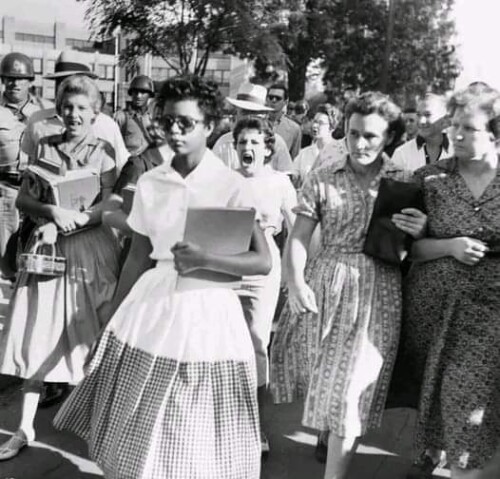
(351, 36)
(184, 32)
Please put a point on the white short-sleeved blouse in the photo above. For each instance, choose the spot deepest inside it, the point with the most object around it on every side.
(163, 197)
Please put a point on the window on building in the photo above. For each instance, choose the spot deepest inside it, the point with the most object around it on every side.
(110, 72)
(37, 90)
(50, 66)
(30, 37)
(221, 77)
(37, 65)
(81, 45)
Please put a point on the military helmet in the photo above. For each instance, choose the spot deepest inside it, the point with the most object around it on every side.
(143, 83)
(17, 65)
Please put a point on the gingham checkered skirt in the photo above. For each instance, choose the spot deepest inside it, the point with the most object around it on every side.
(150, 416)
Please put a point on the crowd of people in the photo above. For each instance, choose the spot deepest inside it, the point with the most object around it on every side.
(168, 375)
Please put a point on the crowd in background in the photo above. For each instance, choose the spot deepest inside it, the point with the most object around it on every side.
(168, 377)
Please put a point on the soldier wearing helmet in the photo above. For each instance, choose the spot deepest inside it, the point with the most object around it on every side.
(136, 121)
(17, 105)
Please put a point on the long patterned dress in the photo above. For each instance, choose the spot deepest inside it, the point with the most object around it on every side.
(452, 323)
(53, 322)
(342, 358)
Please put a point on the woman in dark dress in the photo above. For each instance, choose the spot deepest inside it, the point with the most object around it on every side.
(452, 303)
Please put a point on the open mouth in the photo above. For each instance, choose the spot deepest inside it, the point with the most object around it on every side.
(247, 158)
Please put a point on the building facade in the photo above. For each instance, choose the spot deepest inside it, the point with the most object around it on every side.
(43, 42)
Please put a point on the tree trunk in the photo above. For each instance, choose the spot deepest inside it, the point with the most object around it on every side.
(297, 80)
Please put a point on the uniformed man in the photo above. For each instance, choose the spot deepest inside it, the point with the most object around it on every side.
(17, 105)
(135, 122)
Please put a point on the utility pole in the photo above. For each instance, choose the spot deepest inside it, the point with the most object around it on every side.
(384, 76)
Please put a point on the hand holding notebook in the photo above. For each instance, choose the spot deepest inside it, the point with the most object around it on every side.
(220, 231)
(384, 240)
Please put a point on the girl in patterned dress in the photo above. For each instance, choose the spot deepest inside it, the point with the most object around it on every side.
(452, 297)
(275, 198)
(171, 390)
(337, 338)
(53, 321)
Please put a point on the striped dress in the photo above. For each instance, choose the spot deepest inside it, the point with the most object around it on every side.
(341, 359)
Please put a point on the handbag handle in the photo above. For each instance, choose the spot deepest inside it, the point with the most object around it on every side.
(38, 244)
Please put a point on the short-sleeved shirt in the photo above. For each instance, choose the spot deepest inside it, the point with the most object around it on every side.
(273, 193)
(280, 161)
(291, 132)
(46, 123)
(163, 196)
(136, 166)
(411, 156)
(92, 153)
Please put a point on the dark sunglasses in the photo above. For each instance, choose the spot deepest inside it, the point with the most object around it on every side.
(185, 123)
(274, 98)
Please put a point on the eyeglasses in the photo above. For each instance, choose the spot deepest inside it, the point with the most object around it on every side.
(274, 98)
(185, 123)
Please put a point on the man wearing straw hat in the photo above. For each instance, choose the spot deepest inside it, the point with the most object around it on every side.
(48, 122)
(251, 101)
(17, 104)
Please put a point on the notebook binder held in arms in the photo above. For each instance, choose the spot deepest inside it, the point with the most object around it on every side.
(225, 231)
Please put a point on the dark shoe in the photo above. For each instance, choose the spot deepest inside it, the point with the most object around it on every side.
(321, 451)
(52, 393)
(422, 468)
(13, 446)
(264, 446)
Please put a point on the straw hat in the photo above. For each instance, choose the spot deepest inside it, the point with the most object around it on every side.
(67, 64)
(250, 97)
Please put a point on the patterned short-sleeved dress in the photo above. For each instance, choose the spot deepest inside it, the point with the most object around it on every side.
(171, 389)
(452, 323)
(53, 322)
(342, 358)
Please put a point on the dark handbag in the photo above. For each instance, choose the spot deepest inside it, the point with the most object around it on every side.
(384, 240)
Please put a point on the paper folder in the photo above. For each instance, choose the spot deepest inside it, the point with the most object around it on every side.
(225, 231)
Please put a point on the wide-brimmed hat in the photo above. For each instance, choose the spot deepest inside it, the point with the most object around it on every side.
(68, 64)
(250, 97)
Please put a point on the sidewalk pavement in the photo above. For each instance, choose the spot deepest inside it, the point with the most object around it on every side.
(383, 454)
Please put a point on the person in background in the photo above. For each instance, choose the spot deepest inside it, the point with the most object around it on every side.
(452, 297)
(54, 321)
(337, 338)
(300, 114)
(135, 122)
(410, 118)
(275, 198)
(171, 389)
(323, 124)
(251, 101)
(47, 122)
(17, 105)
(431, 143)
(277, 100)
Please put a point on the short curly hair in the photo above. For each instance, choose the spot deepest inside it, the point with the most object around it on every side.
(262, 126)
(480, 97)
(332, 112)
(79, 85)
(375, 102)
(193, 87)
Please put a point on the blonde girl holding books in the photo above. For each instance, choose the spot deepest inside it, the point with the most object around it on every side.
(53, 321)
(275, 198)
(171, 390)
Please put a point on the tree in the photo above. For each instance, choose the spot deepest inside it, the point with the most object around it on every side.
(420, 56)
(184, 32)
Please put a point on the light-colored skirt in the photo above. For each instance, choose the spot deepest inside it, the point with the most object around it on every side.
(53, 322)
(171, 390)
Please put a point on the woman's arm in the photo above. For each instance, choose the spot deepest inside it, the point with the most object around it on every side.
(464, 249)
(189, 257)
(137, 262)
(300, 296)
(114, 216)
